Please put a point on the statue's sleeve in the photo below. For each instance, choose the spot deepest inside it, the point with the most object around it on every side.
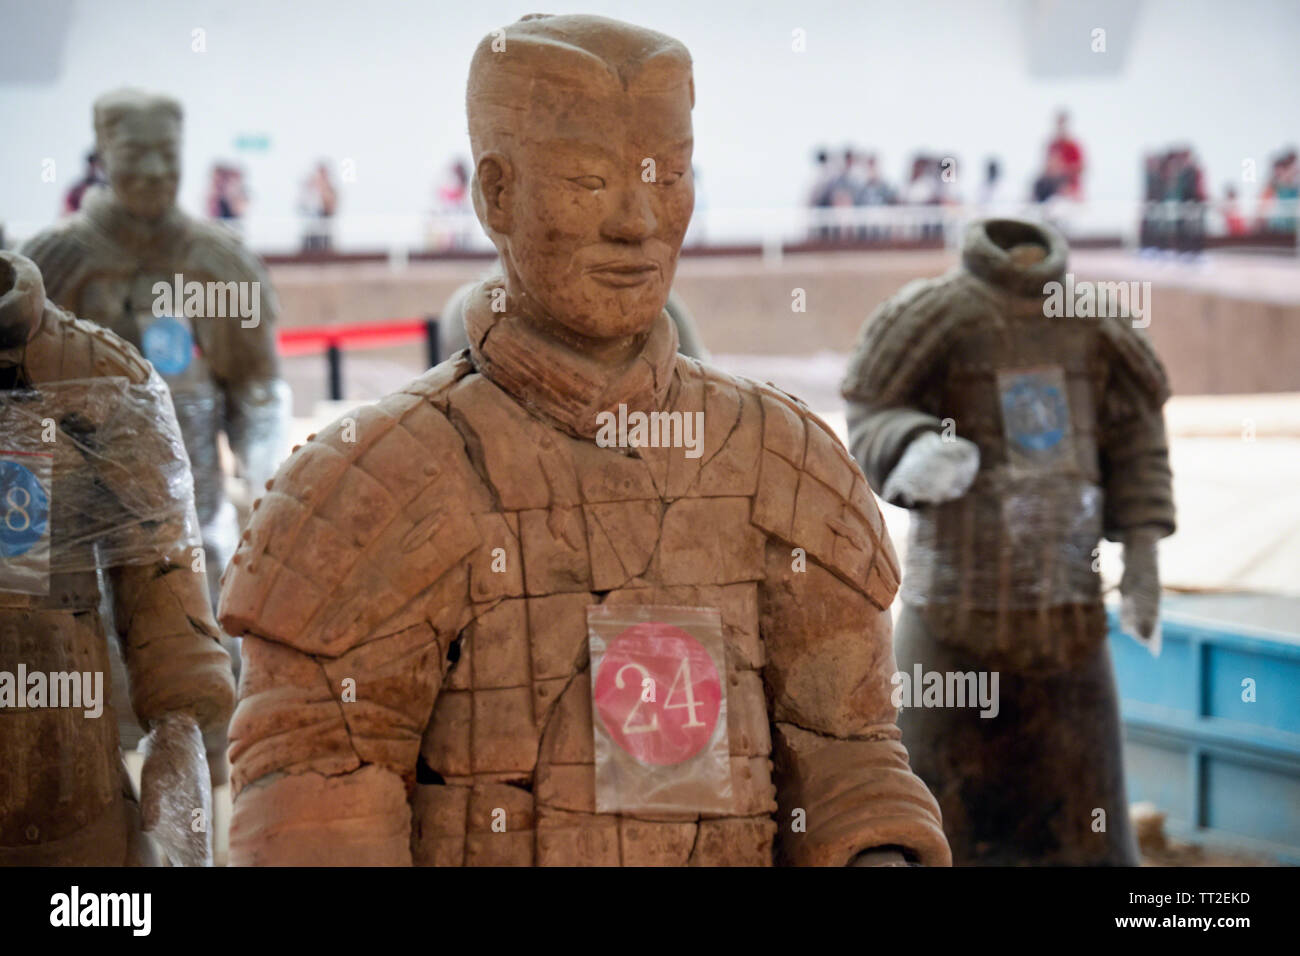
(842, 775)
(161, 608)
(324, 749)
(138, 508)
(1136, 479)
(889, 375)
(349, 586)
(174, 659)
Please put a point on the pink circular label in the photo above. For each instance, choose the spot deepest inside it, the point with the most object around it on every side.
(658, 693)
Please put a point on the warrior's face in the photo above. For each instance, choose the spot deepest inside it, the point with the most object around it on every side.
(597, 193)
(142, 156)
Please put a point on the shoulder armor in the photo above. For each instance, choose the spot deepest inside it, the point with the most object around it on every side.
(812, 495)
(902, 338)
(217, 253)
(357, 524)
(66, 254)
(67, 348)
(1136, 357)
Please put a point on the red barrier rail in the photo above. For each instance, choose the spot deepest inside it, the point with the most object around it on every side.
(331, 340)
(314, 339)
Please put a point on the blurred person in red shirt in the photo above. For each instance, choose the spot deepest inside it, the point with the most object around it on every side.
(1065, 154)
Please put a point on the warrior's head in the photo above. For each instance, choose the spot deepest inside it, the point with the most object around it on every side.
(138, 135)
(581, 133)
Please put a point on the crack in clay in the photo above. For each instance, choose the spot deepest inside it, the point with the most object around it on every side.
(699, 474)
(343, 716)
(456, 419)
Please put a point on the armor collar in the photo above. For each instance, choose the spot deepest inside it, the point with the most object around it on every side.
(561, 384)
(164, 235)
(985, 248)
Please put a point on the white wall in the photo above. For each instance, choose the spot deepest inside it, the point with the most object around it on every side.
(381, 83)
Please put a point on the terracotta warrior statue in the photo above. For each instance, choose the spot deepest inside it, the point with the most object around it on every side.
(492, 619)
(94, 478)
(186, 293)
(1019, 436)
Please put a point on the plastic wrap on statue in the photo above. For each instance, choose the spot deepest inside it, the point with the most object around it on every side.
(95, 481)
(95, 475)
(1063, 417)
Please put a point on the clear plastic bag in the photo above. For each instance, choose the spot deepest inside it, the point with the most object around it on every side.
(659, 709)
(120, 490)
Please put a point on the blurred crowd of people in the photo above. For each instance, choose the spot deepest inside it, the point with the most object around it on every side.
(852, 178)
(1174, 197)
(1178, 204)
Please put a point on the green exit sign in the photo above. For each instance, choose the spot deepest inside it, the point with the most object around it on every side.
(253, 142)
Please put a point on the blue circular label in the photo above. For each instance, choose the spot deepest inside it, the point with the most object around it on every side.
(168, 345)
(1036, 414)
(24, 509)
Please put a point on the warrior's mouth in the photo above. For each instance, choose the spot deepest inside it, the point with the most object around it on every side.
(624, 275)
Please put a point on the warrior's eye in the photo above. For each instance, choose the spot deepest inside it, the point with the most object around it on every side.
(670, 180)
(588, 182)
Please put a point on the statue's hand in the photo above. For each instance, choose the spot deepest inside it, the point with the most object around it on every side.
(1139, 589)
(932, 470)
(173, 785)
(880, 856)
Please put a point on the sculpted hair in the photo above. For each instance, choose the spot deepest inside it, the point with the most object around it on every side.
(116, 104)
(567, 51)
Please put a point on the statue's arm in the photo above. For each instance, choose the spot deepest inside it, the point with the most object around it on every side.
(844, 786)
(324, 750)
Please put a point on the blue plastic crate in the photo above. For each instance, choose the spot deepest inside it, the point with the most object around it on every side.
(1225, 769)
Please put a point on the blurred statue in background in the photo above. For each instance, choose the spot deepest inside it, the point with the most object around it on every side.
(1019, 433)
(183, 291)
(94, 480)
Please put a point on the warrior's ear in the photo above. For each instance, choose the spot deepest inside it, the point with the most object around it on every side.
(494, 180)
